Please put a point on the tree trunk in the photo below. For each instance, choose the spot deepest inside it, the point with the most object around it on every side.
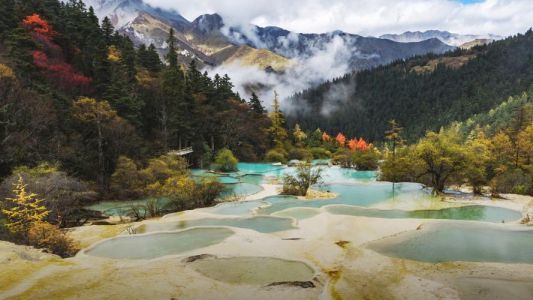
(101, 164)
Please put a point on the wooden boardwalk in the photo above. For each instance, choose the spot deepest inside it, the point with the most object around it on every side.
(181, 152)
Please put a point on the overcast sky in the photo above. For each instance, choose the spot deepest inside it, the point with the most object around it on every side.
(367, 17)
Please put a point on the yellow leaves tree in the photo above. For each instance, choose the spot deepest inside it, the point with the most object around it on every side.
(525, 144)
(98, 114)
(299, 135)
(24, 210)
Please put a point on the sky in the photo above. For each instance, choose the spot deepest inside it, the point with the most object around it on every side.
(367, 17)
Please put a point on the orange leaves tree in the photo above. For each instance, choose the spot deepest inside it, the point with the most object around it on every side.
(341, 139)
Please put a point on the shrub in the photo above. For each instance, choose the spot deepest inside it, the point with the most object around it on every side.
(126, 181)
(207, 191)
(276, 155)
(365, 160)
(305, 177)
(320, 153)
(64, 196)
(342, 158)
(300, 154)
(50, 237)
(225, 161)
(514, 181)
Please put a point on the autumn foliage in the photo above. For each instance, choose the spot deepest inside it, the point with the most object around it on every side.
(49, 57)
(341, 139)
(326, 137)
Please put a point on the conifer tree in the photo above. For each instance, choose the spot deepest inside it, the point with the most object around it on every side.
(277, 131)
(256, 105)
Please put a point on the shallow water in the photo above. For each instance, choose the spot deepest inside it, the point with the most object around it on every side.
(254, 270)
(461, 242)
(363, 194)
(261, 224)
(159, 244)
(241, 189)
(473, 212)
(123, 208)
(236, 208)
(298, 213)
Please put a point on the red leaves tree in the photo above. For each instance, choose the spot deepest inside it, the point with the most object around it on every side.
(50, 57)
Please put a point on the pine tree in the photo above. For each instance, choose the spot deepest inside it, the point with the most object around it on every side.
(172, 56)
(277, 131)
(107, 30)
(256, 105)
(152, 59)
(24, 210)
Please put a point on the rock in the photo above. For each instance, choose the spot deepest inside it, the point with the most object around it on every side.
(194, 258)
(302, 284)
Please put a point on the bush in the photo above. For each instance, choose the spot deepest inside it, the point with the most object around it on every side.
(207, 191)
(342, 158)
(276, 155)
(514, 181)
(320, 153)
(300, 154)
(305, 177)
(225, 161)
(64, 196)
(126, 181)
(365, 160)
(47, 236)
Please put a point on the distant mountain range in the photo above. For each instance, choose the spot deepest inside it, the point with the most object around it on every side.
(452, 39)
(209, 40)
(284, 56)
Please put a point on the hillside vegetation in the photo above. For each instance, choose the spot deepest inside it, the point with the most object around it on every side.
(362, 103)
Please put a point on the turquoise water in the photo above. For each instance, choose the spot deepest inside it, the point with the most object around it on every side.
(228, 179)
(236, 208)
(241, 189)
(461, 242)
(260, 224)
(299, 213)
(123, 208)
(473, 213)
(258, 168)
(159, 244)
(353, 194)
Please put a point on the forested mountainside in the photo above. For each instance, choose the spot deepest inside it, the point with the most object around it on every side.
(76, 93)
(422, 93)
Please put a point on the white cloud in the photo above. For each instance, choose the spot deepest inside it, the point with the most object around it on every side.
(376, 17)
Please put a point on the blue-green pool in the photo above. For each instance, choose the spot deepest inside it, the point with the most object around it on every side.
(461, 242)
(159, 244)
(473, 213)
(262, 224)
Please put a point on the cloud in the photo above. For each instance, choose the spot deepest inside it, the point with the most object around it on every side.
(323, 63)
(502, 17)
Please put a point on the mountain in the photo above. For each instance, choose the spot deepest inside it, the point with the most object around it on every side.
(362, 52)
(446, 37)
(210, 40)
(422, 93)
